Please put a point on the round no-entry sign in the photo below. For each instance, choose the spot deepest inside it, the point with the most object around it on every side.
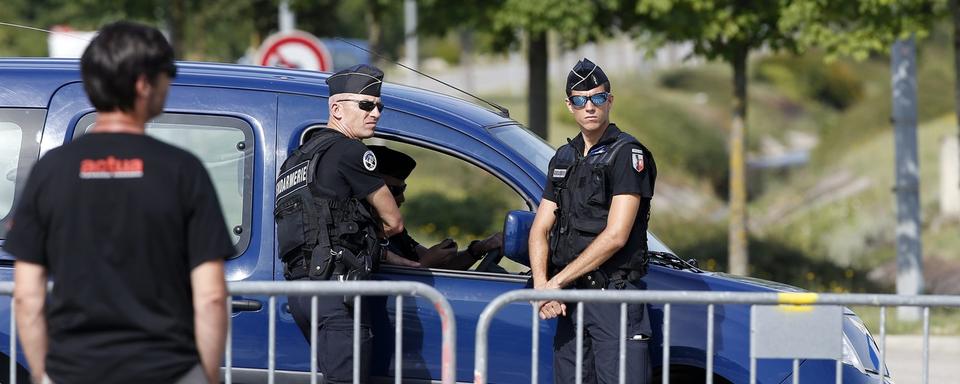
(296, 49)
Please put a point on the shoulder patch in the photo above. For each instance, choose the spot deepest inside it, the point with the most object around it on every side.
(636, 159)
(559, 173)
(369, 160)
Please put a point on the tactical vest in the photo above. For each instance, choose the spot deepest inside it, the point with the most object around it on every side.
(583, 192)
(320, 236)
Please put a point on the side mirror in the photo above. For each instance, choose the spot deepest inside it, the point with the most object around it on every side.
(516, 231)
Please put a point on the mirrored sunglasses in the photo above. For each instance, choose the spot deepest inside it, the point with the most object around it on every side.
(598, 99)
(367, 105)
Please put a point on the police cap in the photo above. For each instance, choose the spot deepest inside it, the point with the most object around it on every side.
(392, 162)
(362, 79)
(585, 76)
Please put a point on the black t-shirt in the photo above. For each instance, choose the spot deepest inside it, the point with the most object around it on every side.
(119, 221)
(347, 168)
(632, 171)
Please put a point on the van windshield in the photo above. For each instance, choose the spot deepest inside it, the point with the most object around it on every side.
(526, 143)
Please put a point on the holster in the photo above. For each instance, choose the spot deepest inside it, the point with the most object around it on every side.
(596, 279)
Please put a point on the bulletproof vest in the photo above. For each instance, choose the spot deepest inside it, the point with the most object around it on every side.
(320, 236)
(583, 192)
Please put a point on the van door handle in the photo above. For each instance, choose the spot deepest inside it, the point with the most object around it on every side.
(246, 305)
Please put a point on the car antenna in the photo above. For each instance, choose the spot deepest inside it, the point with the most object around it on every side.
(503, 111)
(68, 34)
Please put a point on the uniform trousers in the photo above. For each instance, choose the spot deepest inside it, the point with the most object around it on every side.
(335, 335)
(601, 343)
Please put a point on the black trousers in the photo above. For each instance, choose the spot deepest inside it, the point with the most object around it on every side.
(335, 335)
(601, 343)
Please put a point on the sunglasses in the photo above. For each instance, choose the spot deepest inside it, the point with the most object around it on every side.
(598, 99)
(367, 105)
(397, 190)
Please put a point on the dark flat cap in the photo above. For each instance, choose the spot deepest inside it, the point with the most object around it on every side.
(392, 162)
(585, 76)
(363, 79)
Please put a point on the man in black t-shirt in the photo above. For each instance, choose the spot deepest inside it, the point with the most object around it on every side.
(590, 232)
(131, 233)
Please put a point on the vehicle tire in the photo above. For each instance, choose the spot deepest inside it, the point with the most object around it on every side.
(687, 374)
(23, 376)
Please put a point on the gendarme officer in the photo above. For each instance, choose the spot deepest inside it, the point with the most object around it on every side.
(332, 211)
(590, 233)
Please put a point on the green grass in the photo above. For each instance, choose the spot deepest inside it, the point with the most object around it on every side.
(943, 321)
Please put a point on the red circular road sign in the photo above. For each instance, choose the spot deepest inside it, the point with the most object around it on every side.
(295, 49)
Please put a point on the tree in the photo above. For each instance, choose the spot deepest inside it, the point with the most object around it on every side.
(511, 22)
(574, 22)
(727, 30)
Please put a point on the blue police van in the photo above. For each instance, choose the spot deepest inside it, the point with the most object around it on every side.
(242, 121)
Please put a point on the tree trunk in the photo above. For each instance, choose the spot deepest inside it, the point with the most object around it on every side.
(176, 22)
(738, 257)
(955, 11)
(537, 91)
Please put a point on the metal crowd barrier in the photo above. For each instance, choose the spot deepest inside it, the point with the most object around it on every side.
(695, 297)
(314, 289)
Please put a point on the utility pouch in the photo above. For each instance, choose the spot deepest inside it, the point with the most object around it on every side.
(290, 230)
(595, 279)
(599, 195)
(322, 263)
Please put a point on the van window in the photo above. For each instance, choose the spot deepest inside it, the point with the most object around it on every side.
(19, 148)
(225, 146)
(447, 197)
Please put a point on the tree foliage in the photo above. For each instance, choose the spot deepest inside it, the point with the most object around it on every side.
(858, 28)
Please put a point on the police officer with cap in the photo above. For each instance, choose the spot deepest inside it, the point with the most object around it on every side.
(333, 212)
(590, 232)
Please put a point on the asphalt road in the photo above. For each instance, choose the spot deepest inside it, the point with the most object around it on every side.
(905, 359)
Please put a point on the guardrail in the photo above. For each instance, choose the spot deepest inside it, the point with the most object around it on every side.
(315, 289)
(754, 299)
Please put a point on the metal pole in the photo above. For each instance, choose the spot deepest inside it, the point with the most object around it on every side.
(356, 339)
(883, 340)
(411, 44)
(903, 59)
(579, 366)
(709, 356)
(272, 340)
(13, 342)
(926, 345)
(398, 341)
(286, 18)
(796, 371)
(535, 349)
(313, 340)
(666, 343)
(228, 370)
(753, 359)
(622, 376)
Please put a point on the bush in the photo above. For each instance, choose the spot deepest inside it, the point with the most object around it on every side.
(770, 258)
(834, 84)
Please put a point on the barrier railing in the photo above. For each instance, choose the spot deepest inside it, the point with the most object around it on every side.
(357, 289)
(754, 299)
